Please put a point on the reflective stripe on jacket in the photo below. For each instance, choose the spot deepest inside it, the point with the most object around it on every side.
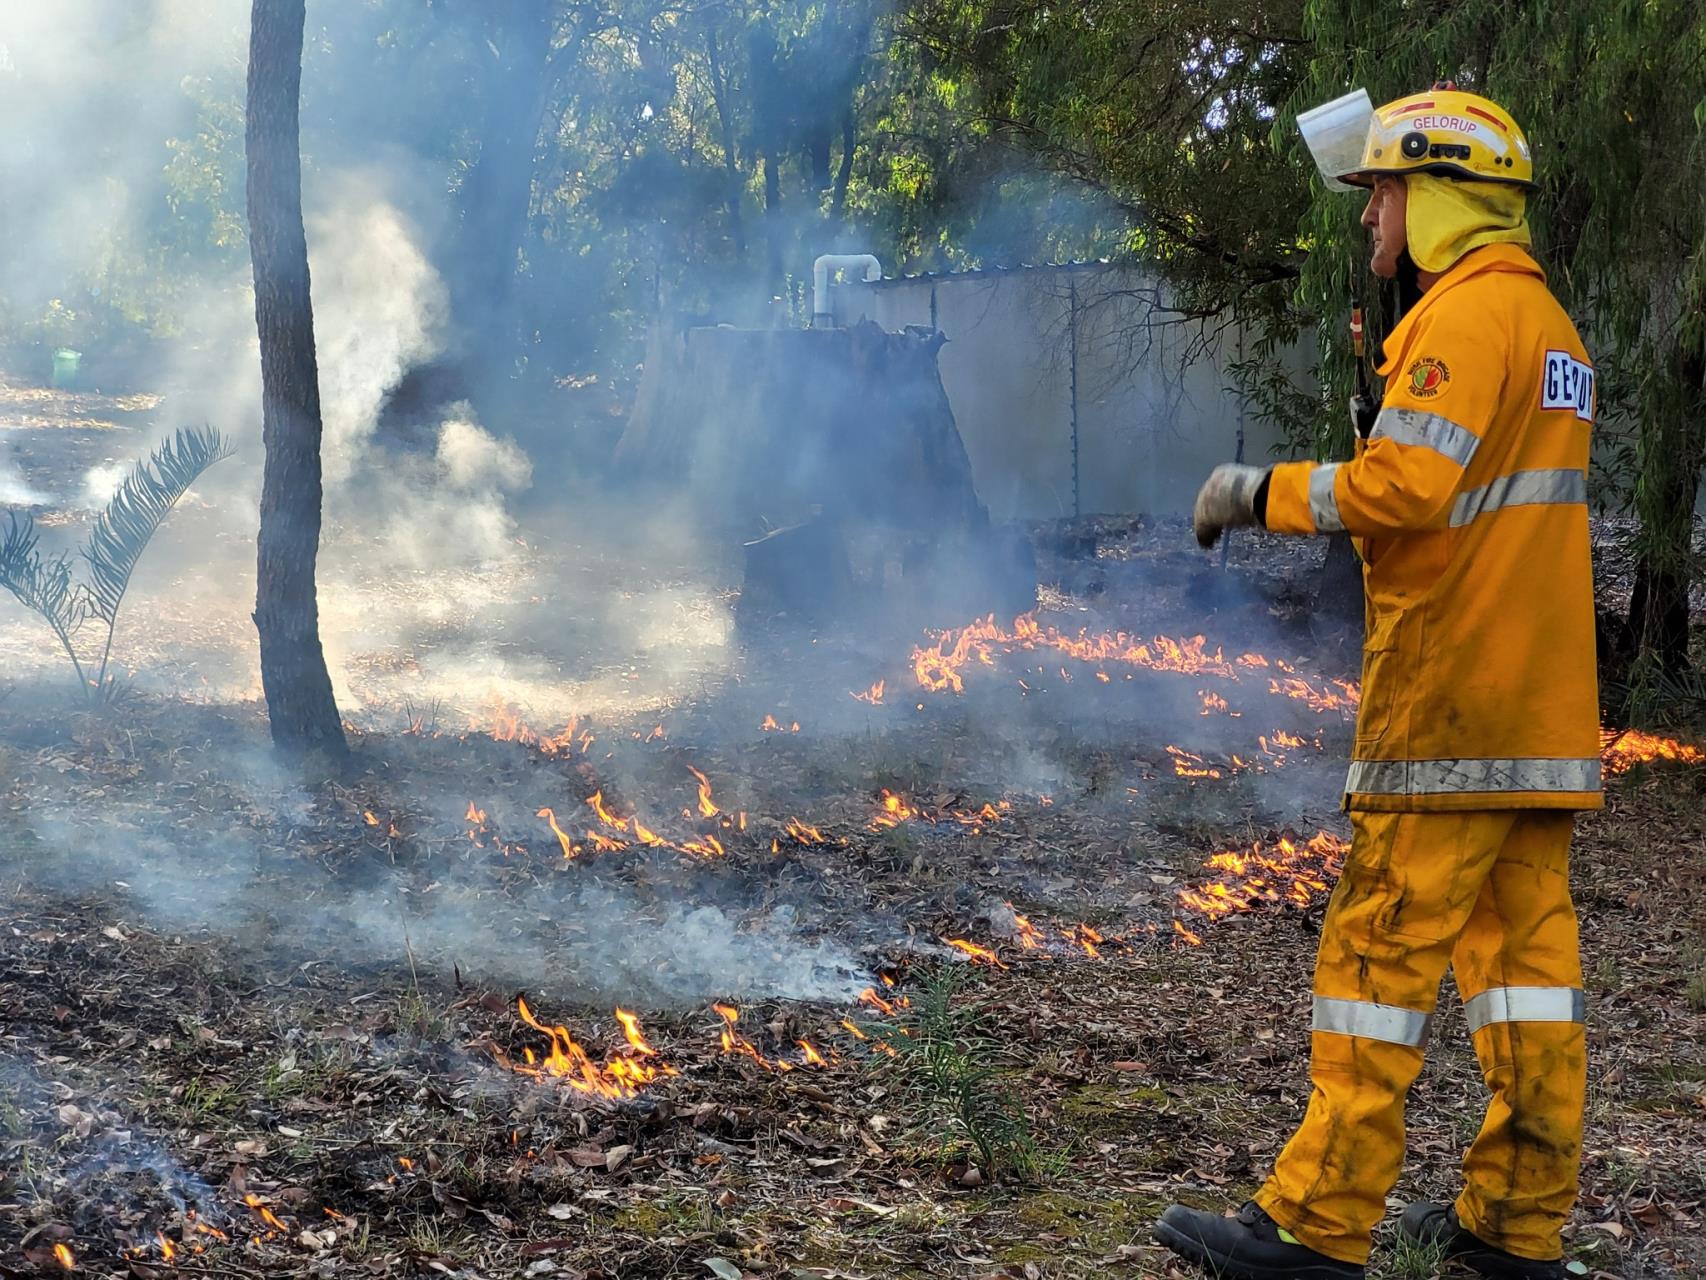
(1468, 504)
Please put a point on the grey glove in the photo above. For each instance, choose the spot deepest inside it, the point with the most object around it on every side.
(1226, 500)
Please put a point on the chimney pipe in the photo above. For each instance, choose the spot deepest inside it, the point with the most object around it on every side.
(821, 269)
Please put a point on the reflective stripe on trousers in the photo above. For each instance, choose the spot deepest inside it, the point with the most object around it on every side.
(1438, 777)
(1389, 1023)
(1525, 1004)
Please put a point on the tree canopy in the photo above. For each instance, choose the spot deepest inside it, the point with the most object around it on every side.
(580, 168)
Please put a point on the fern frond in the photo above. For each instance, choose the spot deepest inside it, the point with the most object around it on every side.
(39, 583)
(149, 492)
(18, 555)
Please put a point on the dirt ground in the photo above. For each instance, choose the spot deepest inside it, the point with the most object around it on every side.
(260, 1024)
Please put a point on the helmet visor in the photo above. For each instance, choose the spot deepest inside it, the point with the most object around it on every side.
(1335, 134)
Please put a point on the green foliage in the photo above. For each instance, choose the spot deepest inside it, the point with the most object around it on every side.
(136, 510)
(42, 584)
(944, 1057)
(1158, 114)
(121, 533)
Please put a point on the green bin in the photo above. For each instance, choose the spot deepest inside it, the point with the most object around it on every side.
(65, 364)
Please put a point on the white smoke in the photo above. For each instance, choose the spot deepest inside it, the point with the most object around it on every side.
(379, 309)
(15, 491)
(451, 508)
(101, 482)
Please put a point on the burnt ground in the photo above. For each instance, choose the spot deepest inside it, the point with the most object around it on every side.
(228, 992)
(148, 1068)
(220, 983)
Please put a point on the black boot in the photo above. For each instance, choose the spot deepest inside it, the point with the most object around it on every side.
(1248, 1247)
(1434, 1224)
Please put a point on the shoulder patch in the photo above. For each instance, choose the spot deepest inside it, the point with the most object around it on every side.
(1567, 383)
(1428, 377)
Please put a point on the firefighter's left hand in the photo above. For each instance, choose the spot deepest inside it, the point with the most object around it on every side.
(1226, 500)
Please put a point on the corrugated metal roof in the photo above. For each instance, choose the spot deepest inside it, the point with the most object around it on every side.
(972, 273)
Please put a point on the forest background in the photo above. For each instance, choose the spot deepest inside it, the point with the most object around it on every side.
(576, 172)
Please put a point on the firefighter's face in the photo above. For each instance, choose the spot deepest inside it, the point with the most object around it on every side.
(1384, 218)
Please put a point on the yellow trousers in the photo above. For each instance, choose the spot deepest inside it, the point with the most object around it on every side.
(1489, 893)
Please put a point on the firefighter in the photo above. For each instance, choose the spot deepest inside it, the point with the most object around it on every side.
(1477, 737)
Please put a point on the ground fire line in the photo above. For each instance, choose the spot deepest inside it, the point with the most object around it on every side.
(1284, 873)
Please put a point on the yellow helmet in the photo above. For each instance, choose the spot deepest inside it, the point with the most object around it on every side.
(1448, 133)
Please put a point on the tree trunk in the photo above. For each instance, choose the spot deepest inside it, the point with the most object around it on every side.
(818, 147)
(769, 139)
(1339, 584)
(725, 124)
(774, 269)
(298, 689)
(844, 171)
(498, 189)
(1673, 457)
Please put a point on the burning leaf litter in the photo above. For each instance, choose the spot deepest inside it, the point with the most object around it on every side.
(1622, 750)
(565, 1061)
(873, 695)
(942, 666)
(1270, 873)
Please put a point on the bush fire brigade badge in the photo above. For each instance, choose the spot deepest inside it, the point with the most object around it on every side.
(1428, 377)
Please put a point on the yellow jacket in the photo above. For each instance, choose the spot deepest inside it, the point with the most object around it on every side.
(1468, 504)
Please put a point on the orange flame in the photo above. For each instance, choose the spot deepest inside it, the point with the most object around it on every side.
(631, 1029)
(895, 811)
(735, 1043)
(1281, 874)
(65, 1257)
(1622, 750)
(873, 695)
(876, 1046)
(507, 726)
(570, 848)
(596, 801)
(567, 1062)
(1188, 764)
(813, 1058)
(941, 666)
(869, 996)
(1082, 935)
(705, 847)
(1030, 937)
(1186, 934)
(167, 1252)
(770, 726)
(1343, 697)
(707, 807)
(805, 834)
(977, 954)
(262, 1212)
